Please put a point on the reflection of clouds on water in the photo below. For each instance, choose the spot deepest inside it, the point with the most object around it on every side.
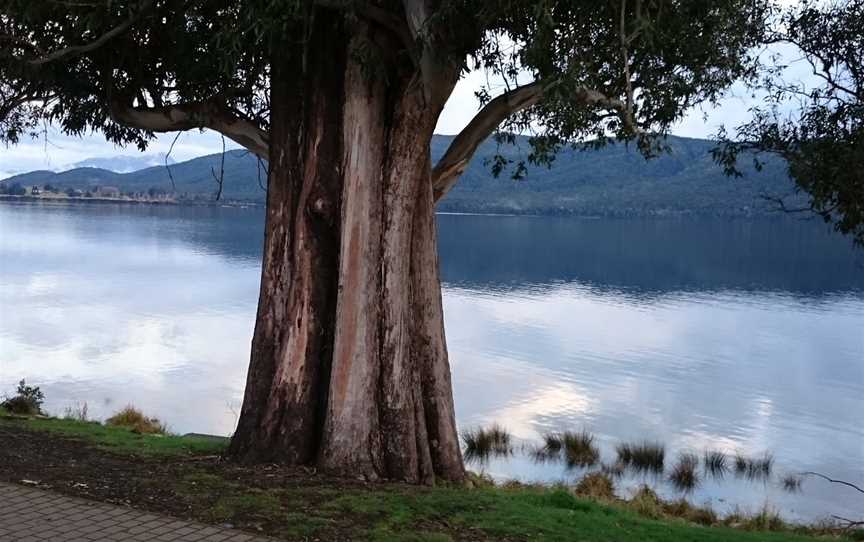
(633, 330)
(722, 372)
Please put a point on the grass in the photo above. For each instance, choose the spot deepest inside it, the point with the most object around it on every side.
(791, 483)
(133, 419)
(767, 519)
(684, 475)
(577, 449)
(643, 456)
(716, 463)
(519, 514)
(79, 412)
(596, 485)
(124, 440)
(320, 508)
(754, 469)
(482, 443)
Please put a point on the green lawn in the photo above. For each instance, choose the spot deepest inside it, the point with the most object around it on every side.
(124, 441)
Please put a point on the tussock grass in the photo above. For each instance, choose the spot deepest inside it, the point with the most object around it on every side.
(482, 443)
(767, 519)
(762, 467)
(701, 515)
(78, 413)
(613, 470)
(642, 457)
(645, 502)
(552, 443)
(550, 450)
(754, 469)
(716, 463)
(684, 475)
(135, 420)
(791, 483)
(741, 463)
(579, 449)
(758, 468)
(596, 485)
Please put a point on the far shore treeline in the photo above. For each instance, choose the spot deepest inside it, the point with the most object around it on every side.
(612, 181)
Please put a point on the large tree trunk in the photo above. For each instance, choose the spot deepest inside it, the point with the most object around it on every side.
(349, 368)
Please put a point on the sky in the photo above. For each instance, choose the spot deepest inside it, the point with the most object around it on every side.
(59, 152)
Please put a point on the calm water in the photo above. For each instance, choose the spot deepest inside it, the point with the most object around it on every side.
(746, 336)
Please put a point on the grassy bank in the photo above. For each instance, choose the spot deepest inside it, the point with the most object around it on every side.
(181, 476)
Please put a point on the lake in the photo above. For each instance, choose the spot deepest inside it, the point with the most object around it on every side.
(740, 335)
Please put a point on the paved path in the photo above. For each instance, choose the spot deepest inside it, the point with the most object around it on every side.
(29, 514)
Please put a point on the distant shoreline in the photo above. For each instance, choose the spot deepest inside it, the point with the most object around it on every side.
(553, 213)
(130, 201)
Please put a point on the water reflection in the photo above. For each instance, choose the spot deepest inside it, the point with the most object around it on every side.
(743, 336)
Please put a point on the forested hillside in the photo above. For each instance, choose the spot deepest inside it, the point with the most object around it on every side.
(614, 180)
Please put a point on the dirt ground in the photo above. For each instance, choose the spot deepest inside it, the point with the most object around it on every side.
(162, 484)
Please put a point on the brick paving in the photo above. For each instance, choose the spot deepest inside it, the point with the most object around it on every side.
(30, 514)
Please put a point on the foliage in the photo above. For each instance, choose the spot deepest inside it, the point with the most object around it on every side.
(822, 139)
(134, 420)
(26, 401)
(622, 68)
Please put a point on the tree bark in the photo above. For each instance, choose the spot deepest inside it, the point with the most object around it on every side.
(349, 368)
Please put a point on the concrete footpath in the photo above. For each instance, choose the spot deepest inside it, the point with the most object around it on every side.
(30, 514)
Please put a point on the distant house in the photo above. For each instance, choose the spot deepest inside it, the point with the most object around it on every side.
(34, 191)
(109, 192)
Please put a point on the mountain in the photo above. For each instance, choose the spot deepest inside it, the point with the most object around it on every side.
(614, 180)
(124, 163)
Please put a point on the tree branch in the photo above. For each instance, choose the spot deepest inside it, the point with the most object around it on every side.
(458, 155)
(463, 147)
(143, 6)
(853, 486)
(181, 117)
(376, 14)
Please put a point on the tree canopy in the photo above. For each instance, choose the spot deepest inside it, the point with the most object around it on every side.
(817, 128)
(129, 68)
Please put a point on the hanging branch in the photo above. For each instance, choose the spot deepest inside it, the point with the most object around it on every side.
(849, 523)
(842, 482)
(627, 115)
(167, 167)
(220, 180)
(97, 43)
(258, 166)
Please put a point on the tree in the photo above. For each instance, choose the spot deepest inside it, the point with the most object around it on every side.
(817, 129)
(15, 189)
(349, 368)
